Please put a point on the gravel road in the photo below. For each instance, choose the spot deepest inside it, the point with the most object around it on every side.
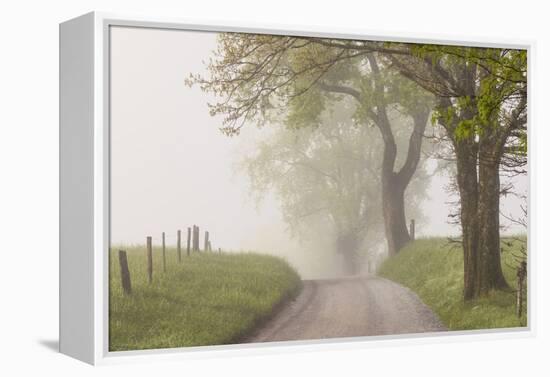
(347, 307)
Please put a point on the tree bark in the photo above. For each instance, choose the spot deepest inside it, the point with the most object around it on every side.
(480, 202)
(466, 164)
(490, 269)
(393, 208)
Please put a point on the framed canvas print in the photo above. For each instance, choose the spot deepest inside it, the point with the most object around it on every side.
(233, 188)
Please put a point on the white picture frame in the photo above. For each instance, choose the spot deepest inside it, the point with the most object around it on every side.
(84, 190)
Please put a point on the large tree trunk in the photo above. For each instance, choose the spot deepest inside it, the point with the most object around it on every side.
(490, 269)
(393, 206)
(479, 215)
(466, 164)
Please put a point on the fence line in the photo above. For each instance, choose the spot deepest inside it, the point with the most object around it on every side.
(193, 239)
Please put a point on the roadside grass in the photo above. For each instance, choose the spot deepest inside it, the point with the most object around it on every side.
(434, 271)
(207, 299)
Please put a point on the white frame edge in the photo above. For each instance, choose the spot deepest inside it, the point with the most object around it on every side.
(84, 212)
(76, 179)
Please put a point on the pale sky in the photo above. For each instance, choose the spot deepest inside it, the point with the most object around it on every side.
(171, 167)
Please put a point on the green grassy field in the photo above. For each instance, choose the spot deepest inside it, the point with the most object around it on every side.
(435, 272)
(208, 299)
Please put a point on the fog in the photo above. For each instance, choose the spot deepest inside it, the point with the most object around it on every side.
(171, 167)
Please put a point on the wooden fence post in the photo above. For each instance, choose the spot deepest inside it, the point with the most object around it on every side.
(124, 272)
(206, 237)
(194, 241)
(150, 258)
(522, 272)
(197, 240)
(209, 245)
(188, 240)
(179, 245)
(219, 250)
(412, 230)
(163, 252)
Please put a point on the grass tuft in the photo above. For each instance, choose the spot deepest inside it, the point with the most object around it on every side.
(207, 299)
(435, 272)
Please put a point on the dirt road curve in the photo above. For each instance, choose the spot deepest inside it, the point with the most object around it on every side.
(356, 306)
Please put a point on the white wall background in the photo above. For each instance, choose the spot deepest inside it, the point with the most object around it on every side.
(29, 186)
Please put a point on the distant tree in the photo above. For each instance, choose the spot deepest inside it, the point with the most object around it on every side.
(260, 77)
(327, 178)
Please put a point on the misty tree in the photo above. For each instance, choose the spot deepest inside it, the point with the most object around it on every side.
(260, 77)
(327, 178)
